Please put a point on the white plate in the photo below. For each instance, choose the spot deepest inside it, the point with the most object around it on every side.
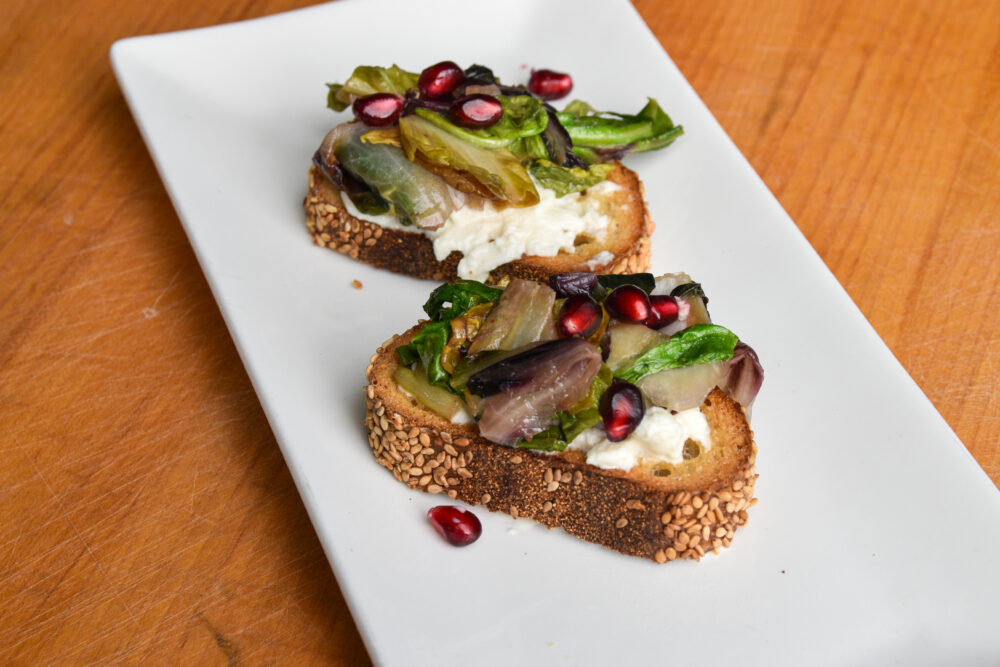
(876, 535)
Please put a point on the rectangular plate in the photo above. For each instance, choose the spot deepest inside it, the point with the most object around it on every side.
(876, 535)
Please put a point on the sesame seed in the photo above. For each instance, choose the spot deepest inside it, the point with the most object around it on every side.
(548, 476)
(621, 523)
(434, 488)
(547, 506)
(516, 459)
(660, 556)
(486, 498)
(697, 502)
(552, 486)
(451, 450)
(670, 553)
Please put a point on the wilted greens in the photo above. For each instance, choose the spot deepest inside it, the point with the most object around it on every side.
(565, 151)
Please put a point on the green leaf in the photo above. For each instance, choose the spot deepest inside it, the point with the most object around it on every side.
(523, 116)
(450, 300)
(579, 108)
(529, 148)
(426, 347)
(700, 344)
(368, 80)
(573, 425)
(605, 132)
(649, 129)
(657, 116)
(565, 180)
(496, 169)
(549, 440)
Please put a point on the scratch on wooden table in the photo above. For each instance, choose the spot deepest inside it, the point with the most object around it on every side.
(229, 648)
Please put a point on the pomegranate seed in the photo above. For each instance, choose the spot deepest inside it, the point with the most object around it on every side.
(456, 525)
(621, 409)
(580, 316)
(628, 303)
(378, 109)
(476, 111)
(550, 85)
(437, 81)
(665, 310)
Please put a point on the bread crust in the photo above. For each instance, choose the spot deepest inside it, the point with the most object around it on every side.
(412, 253)
(693, 510)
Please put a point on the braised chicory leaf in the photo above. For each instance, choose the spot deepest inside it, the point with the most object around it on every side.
(523, 116)
(744, 375)
(601, 136)
(565, 180)
(522, 315)
(700, 344)
(496, 169)
(450, 300)
(414, 194)
(368, 80)
(426, 348)
(546, 383)
(583, 415)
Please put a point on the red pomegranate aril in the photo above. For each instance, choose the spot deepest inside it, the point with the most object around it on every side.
(621, 409)
(550, 85)
(580, 316)
(438, 81)
(628, 303)
(664, 310)
(458, 526)
(476, 111)
(378, 110)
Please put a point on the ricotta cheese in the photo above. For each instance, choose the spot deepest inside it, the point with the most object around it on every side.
(489, 237)
(660, 436)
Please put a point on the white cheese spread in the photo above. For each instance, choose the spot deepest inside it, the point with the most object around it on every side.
(660, 436)
(489, 237)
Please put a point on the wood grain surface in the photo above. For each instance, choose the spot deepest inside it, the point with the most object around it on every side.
(146, 514)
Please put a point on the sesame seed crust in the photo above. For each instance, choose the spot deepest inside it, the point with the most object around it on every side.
(694, 509)
(412, 253)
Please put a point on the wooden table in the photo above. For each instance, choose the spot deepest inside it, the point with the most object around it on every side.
(146, 513)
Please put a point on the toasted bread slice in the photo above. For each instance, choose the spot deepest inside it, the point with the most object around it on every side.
(412, 253)
(660, 511)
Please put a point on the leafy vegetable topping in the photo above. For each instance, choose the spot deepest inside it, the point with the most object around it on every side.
(452, 299)
(700, 344)
(574, 421)
(426, 348)
(601, 135)
(497, 169)
(368, 80)
(565, 180)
